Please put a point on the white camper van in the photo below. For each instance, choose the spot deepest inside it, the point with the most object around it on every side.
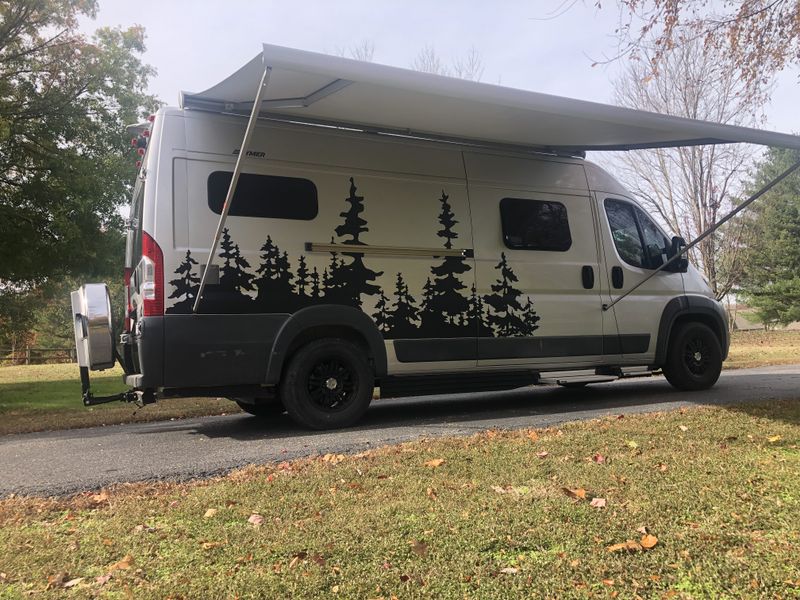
(353, 256)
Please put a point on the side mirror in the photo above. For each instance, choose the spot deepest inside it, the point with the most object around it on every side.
(680, 265)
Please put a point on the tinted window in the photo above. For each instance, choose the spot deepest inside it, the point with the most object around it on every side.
(535, 225)
(264, 196)
(656, 245)
(625, 232)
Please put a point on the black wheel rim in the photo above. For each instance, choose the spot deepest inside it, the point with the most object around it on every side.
(332, 384)
(697, 356)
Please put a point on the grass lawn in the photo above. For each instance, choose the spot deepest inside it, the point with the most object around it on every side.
(761, 348)
(41, 397)
(698, 503)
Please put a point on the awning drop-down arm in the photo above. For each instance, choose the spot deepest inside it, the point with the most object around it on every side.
(248, 134)
(711, 230)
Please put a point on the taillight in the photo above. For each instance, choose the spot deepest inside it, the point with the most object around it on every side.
(152, 285)
(128, 305)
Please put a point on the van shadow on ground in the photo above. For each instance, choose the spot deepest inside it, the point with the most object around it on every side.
(509, 408)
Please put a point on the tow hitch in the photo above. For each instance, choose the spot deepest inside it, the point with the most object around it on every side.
(89, 399)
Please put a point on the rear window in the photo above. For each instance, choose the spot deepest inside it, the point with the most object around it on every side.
(535, 225)
(265, 196)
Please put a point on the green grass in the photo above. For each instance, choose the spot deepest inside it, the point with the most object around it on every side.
(717, 487)
(42, 397)
(763, 348)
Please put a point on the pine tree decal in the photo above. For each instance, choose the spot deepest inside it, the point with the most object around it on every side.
(507, 317)
(477, 314)
(233, 277)
(315, 289)
(403, 319)
(186, 285)
(447, 304)
(381, 314)
(274, 283)
(530, 318)
(430, 319)
(269, 259)
(302, 276)
(354, 277)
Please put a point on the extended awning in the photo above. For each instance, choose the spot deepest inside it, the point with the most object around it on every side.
(318, 88)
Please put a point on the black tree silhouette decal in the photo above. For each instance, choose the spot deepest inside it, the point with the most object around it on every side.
(403, 319)
(186, 285)
(354, 277)
(302, 276)
(509, 317)
(233, 277)
(315, 289)
(381, 314)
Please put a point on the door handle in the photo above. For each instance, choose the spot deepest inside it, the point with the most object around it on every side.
(587, 276)
(617, 280)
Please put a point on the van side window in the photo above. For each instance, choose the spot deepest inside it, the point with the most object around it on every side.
(265, 196)
(638, 239)
(535, 225)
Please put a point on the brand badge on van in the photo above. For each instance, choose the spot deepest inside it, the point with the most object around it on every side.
(251, 153)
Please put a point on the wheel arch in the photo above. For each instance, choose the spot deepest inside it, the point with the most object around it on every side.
(317, 322)
(698, 309)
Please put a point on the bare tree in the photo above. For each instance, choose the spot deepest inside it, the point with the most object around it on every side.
(690, 188)
(760, 37)
(469, 67)
(364, 51)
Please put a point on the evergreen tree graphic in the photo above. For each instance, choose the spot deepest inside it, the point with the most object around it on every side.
(315, 289)
(268, 269)
(403, 319)
(530, 318)
(506, 320)
(330, 278)
(234, 277)
(431, 321)
(186, 285)
(302, 276)
(284, 275)
(354, 277)
(447, 304)
(477, 314)
(381, 314)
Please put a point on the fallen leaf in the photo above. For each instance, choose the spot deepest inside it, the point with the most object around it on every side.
(294, 561)
(628, 546)
(598, 503)
(419, 548)
(433, 463)
(124, 564)
(648, 541)
(100, 497)
(662, 467)
(575, 563)
(631, 444)
(255, 520)
(510, 570)
(73, 582)
(533, 436)
(431, 493)
(642, 530)
(211, 545)
(577, 494)
(318, 559)
(543, 454)
(107, 542)
(57, 580)
(102, 579)
(608, 582)
(210, 513)
(599, 459)
(333, 458)
(683, 428)
(774, 438)
(335, 589)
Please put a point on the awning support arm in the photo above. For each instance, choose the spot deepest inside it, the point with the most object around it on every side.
(248, 134)
(711, 230)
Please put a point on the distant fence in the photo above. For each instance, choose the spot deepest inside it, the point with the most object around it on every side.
(36, 356)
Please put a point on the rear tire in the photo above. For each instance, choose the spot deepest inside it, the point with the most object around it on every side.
(327, 384)
(262, 407)
(694, 357)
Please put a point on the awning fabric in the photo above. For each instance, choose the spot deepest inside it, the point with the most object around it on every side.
(318, 88)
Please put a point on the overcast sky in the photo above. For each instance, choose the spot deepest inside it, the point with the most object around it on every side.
(195, 44)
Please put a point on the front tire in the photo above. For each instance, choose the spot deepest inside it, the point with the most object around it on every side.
(694, 357)
(327, 384)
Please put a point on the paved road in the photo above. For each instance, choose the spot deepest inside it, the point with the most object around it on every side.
(61, 462)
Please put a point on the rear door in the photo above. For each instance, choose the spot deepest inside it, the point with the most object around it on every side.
(537, 265)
